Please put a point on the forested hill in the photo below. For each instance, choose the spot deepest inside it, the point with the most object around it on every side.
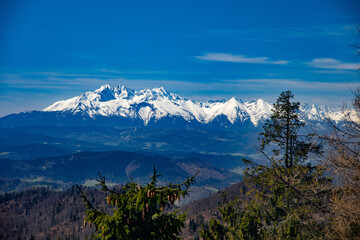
(46, 214)
(118, 167)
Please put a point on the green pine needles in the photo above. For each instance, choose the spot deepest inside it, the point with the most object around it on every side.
(138, 211)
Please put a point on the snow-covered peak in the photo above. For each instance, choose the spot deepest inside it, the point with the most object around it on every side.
(313, 112)
(160, 91)
(156, 94)
(122, 92)
(103, 87)
(259, 110)
(103, 94)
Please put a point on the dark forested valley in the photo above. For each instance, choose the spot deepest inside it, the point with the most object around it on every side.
(42, 213)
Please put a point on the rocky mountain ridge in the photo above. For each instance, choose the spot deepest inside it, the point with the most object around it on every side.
(155, 104)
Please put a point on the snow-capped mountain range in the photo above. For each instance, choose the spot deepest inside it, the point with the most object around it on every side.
(153, 105)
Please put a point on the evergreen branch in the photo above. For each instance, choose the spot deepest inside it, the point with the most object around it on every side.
(85, 199)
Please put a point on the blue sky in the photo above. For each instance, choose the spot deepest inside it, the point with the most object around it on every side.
(53, 50)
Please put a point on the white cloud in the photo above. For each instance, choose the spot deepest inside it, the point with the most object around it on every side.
(226, 57)
(330, 63)
(292, 84)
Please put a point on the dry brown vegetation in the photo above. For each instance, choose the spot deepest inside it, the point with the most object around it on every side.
(343, 159)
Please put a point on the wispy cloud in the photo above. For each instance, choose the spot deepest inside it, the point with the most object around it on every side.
(227, 57)
(277, 34)
(330, 63)
(292, 84)
(114, 71)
